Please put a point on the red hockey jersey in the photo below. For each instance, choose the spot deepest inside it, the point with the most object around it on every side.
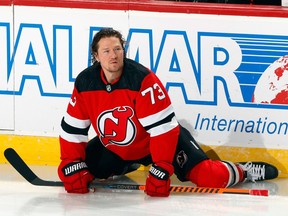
(133, 117)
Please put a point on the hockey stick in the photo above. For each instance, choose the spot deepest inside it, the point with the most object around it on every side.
(16, 161)
(186, 189)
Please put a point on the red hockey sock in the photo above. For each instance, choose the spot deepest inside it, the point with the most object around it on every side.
(216, 174)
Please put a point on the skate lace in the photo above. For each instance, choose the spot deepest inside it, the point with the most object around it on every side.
(254, 171)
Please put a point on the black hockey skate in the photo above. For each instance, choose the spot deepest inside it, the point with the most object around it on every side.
(258, 171)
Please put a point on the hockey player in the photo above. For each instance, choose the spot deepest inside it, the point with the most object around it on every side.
(132, 115)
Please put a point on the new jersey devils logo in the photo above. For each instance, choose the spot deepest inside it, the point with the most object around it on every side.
(116, 126)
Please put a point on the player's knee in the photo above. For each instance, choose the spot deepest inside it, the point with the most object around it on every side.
(210, 173)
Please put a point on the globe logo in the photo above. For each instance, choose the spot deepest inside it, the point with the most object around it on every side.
(272, 87)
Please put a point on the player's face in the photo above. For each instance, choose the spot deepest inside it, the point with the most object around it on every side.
(110, 54)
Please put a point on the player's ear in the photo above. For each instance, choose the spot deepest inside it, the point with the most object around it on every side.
(96, 57)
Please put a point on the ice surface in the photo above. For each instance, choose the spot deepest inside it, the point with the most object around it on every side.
(18, 197)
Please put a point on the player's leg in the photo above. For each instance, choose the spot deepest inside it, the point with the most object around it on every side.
(191, 163)
(227, 174)
(188, 154)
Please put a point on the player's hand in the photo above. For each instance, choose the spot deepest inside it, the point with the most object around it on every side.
(75, 176)
(158, 180)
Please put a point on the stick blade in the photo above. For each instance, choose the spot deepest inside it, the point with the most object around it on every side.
(21, 167)
(16, 161)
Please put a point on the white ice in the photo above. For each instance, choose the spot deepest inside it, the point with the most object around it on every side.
(20, 198)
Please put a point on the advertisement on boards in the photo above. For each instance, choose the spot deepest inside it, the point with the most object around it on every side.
(227, 75)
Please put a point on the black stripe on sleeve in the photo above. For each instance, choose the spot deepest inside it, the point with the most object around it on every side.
(163, 121)
(73, 130)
